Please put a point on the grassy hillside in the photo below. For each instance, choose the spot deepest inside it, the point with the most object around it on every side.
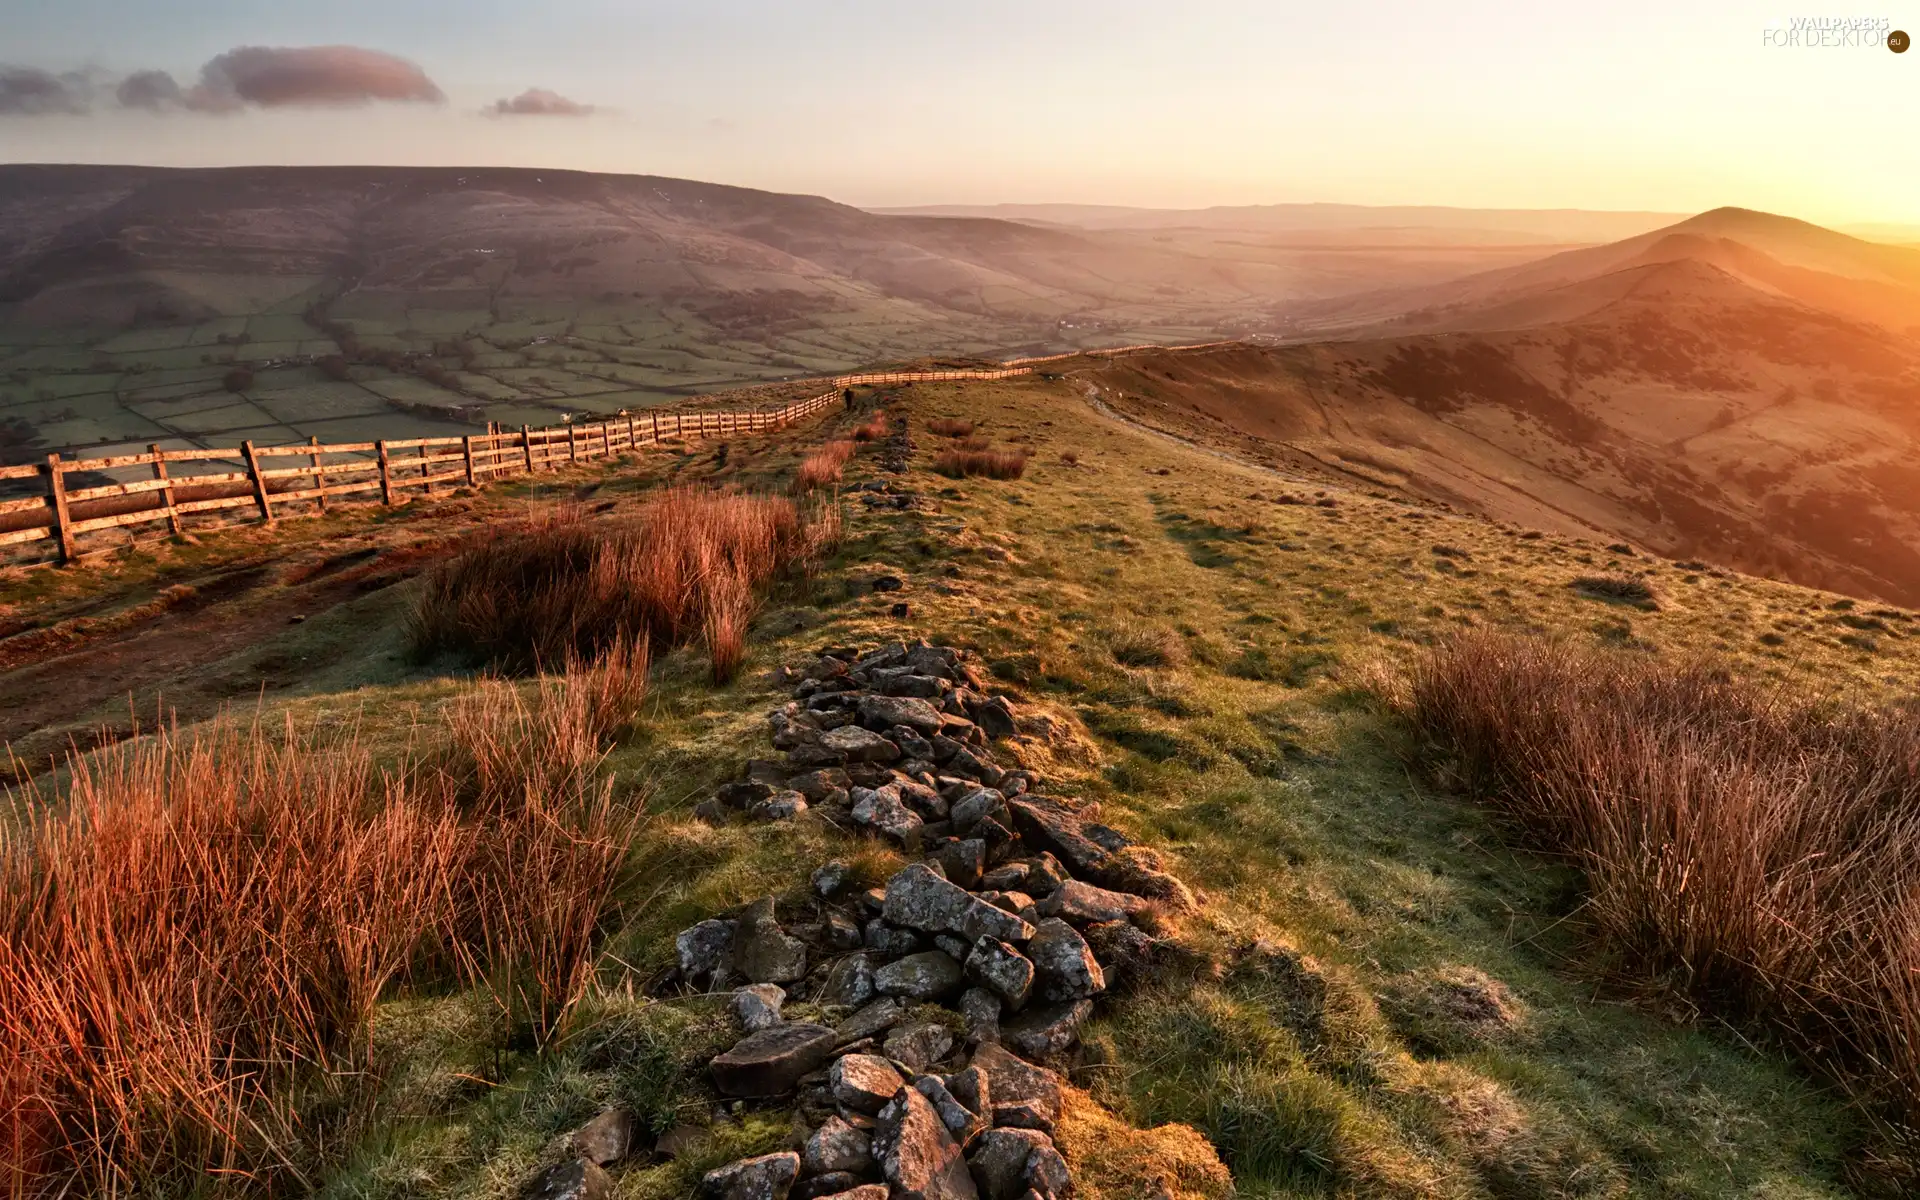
(1384, 994)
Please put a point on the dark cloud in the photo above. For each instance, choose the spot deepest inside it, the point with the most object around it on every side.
(31, 92)
(539, 102)
(308, 76)
(154, 90)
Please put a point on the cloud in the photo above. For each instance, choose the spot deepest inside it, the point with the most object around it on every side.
(31, 92)
(539, 102)
(309, 76)
(154, 90)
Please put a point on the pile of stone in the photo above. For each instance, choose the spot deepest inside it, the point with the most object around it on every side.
(896, 454)
(946, 998)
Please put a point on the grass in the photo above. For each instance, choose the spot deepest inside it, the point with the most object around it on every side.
(993, 464)
(1616, 589)
(1752, 851)
(874, 430)
(824, 467)
(949, 427)
(559, 585)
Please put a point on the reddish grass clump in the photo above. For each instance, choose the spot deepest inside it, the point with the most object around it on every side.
(192, 939)
(690, 564)
(994, 464)
(1756, 852)
(824, 466)
(874, 430)
(951, 427)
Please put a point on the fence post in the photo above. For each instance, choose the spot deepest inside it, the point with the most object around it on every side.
(426, 467)
(633, 437)
(259, 482)
(573, 443)
(606, 439)
(655, 417)
(166, 493)
(466, 443)
(319, 476)
(57, 501)
(386, 474)
(526, 446)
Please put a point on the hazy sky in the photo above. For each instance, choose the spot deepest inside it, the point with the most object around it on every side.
(1675, 105)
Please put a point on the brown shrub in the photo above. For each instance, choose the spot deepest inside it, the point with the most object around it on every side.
(1615, 589)
(994, 464)
(1757, 853)
(873, 431)
(824, 466)
(949, 427)
(560, 586)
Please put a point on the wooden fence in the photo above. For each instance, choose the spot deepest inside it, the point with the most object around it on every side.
(267, 479)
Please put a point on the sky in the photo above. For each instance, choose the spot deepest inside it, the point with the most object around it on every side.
(1675, 106)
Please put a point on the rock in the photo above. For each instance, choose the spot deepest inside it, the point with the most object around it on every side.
(837, 1146)
(951, 946)
(918, 898)
(868, 1191)
(859, 745)
(890, 941)
(850, 982)
(995, 717)
(742, 795)
(975, 765)
(1047, 1173)
(964, 861)
(882, 809)
(1027, 1093)
(906, 685)
(817, 786)
(1064, 966)
(770, 1062)
(921, 798)
(1045, 875)
(938, 661)
(765, 770)
(888, 583)
(1122, 949)
(974, 807)
(999, 1161)
(972, 1088)
(1001, 969)
(706, 952)
(863, 1083)
(916, 1153)
(841, 931)
(981, 1008)
(920, 1045)
(962, 1122)
(781, 806)
(879, 713)
(874, 1019)
(831, 1186)
(576, 1180)
(764, 952)
(811, 757)
(1085, 904)
(769, 1177)
(998, 837)
(1046, 1032)
(758, 1007)
(711, 811)
(824, 668)
(913, 747)
(680, 1141)
(928, 975)
(607, 1138)
(831, 879)
(1094, 852)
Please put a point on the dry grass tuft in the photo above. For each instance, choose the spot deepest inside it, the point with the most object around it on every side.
(1616, 589)
(874, 430)
(559, 587)
(824, 467)
(994, 464)
(1757, 854)
(951, 427)
(1140, 645)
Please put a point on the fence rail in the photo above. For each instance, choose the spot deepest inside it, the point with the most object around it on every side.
(324, 472)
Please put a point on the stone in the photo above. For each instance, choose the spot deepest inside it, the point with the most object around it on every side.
(962, 1122)
(859, 745)
(870, 1021)
(890, 941)
(999, 1161)
(916, 1153)
(888, 583)
(831, 879)
(1123, 950)
(841, 931)
(1047, 1173)
(742, 795)
(866, 1191)
(1085, 904)
(952, 947)
(781, 806)
(837, 1146)
(1046, 1032)
(765, 770)
(811, 757)
(764, 952)
(831, 1186)
(575, 1180)
(1020, 1085)
(981, 1009)
(850, 982)
(972, 1088)
(1010, 878)
(880, 713)
(1002, 970)
(975, 765)
(771, 1062)
(964, 861)
(928, 975)
(873, 899)
(1045, 875)
(711, 811)
(995, 717)
(913, 747)
(1095, 853)
(882, 809)
(920, 1045)
(705, 952)
(676, 1143)
(922, 799)
(863, 1083)
(999, 839)
(607, 1138)
(817, 786)
(919, 898)
(824, 668)
(769, 1177)
(975, 806)
(758, 1007)
(1064, 966)
(908, 685)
